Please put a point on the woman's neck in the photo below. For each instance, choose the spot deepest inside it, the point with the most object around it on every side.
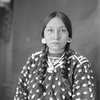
(56, 53)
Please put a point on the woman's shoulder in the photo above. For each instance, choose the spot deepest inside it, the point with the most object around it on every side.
(76, 56)
(36, 55)
(33, 58)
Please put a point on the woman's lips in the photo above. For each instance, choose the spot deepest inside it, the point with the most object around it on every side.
(55, 43)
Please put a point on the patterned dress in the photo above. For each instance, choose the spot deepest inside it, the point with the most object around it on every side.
(54, 81)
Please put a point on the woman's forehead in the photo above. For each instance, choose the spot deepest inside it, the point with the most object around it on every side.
(55, 22)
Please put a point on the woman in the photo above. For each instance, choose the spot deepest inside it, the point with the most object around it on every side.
(56, 72)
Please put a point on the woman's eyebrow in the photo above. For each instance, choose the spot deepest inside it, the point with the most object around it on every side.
(49, 27)
(62, 27)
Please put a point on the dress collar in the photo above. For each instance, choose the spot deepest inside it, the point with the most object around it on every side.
(54, 62)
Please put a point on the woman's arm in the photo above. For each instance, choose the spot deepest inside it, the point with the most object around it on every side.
(21, 89)
(83, 87)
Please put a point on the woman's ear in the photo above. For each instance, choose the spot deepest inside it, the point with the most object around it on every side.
(43, 40)
(69, 40)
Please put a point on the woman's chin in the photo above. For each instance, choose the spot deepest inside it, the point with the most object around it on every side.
(56, 50)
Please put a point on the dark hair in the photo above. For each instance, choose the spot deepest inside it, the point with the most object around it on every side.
(65, 19)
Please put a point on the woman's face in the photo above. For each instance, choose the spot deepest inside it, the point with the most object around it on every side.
(56, 35)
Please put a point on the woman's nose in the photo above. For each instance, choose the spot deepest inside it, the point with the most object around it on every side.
(56, 36)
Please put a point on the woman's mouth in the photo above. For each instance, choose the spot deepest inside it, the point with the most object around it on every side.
(55, 43)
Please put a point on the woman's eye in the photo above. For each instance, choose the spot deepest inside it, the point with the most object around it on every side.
(63, 30)
(50, 30)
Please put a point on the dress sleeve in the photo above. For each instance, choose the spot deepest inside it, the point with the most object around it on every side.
(21, 89)
(83, 87)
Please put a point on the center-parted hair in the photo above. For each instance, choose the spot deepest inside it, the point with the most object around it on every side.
(65, 19)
